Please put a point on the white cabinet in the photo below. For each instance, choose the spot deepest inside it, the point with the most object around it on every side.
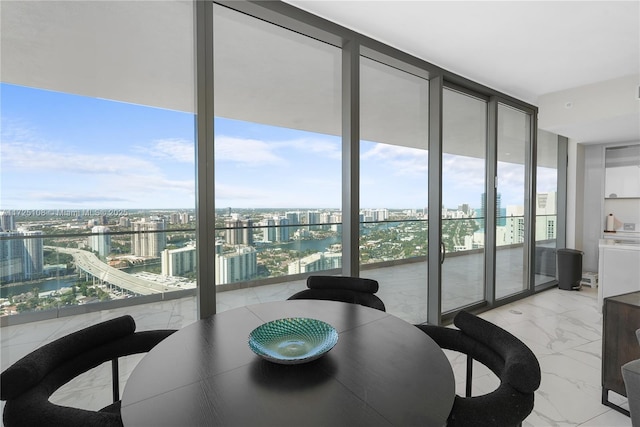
(623, 181)
(618, 268)
(622, 171)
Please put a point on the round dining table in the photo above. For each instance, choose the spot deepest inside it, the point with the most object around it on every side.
(382, 371)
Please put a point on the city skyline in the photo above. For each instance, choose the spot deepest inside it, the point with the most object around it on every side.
(68, 152)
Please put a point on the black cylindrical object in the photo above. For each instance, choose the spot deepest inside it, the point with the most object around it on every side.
(569, 269)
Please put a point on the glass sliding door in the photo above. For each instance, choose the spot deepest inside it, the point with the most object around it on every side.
(394, 186)
(277, 153)
(464, 140)
(546, 205)
(514, 139)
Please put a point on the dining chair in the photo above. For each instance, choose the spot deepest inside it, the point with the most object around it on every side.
(356, 290)
(631, 378)
(27, 384)
(506, 356)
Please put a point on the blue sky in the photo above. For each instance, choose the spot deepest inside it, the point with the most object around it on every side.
(62, 151)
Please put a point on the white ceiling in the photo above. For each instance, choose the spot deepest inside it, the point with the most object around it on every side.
(585, 54)
(526, 49)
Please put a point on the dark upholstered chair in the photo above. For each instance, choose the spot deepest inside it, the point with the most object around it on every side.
(506, 356)
(354, 290)
(631, 378)
(27, 384)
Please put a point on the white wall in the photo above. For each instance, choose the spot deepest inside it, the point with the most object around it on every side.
(575, 189)
(586, 207)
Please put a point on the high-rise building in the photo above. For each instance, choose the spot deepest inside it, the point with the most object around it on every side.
(239, 231)
(276, 229)
(313, 220)
(372, 215)
(33, 255)
(11, 254)
(319, 261)
(184, 218)
(7, 221)
(101, 240)
(237, 266)
(21, 255)
(513, 230)
(501, 213)
(284, 231)
(177, 262)
(546, 216)
(269, 231)
(325, 219)
(293, 217)
(149, 238)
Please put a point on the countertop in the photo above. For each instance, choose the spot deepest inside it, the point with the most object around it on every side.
(620, 242)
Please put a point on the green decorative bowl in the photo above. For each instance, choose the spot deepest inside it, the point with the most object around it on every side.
(292, 340)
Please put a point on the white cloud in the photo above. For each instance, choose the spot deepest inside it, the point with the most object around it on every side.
(71, 198)
(42, 158)
(387, 151)
(177, 149)
(254, 152)
(323, 147)
(250, 152)
(401, 161)
(43, 174)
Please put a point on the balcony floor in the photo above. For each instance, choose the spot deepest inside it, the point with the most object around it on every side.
(563, 328)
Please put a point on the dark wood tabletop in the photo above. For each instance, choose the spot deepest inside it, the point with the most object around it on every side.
(383, 371)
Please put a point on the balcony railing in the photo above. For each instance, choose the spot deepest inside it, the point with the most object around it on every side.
(69, 284)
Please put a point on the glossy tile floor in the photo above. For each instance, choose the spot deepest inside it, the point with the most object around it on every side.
(563, 328)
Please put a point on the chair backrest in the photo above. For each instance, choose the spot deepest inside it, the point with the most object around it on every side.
(355, 290)
(32, 368)
(357, 284)
(521, 368)
(631, 377)
(27, 384)
(506, 356)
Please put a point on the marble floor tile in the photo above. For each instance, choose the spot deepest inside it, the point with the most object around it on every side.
(563, 329)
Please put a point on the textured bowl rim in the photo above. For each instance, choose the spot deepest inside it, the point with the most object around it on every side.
(330, 342)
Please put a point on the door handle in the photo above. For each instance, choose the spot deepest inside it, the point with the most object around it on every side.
(443, 251)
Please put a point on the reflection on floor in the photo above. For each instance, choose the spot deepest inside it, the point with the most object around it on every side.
(563, 328)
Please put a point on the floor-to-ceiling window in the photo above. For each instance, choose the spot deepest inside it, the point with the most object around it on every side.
(464, 141)
(97, 158)
(394, 181)
(546, 206)
(277, 152)
(512, 222)
(278, 155)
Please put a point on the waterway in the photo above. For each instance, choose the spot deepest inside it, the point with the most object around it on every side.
(53, 284)
(315, 245)
(56, 283)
